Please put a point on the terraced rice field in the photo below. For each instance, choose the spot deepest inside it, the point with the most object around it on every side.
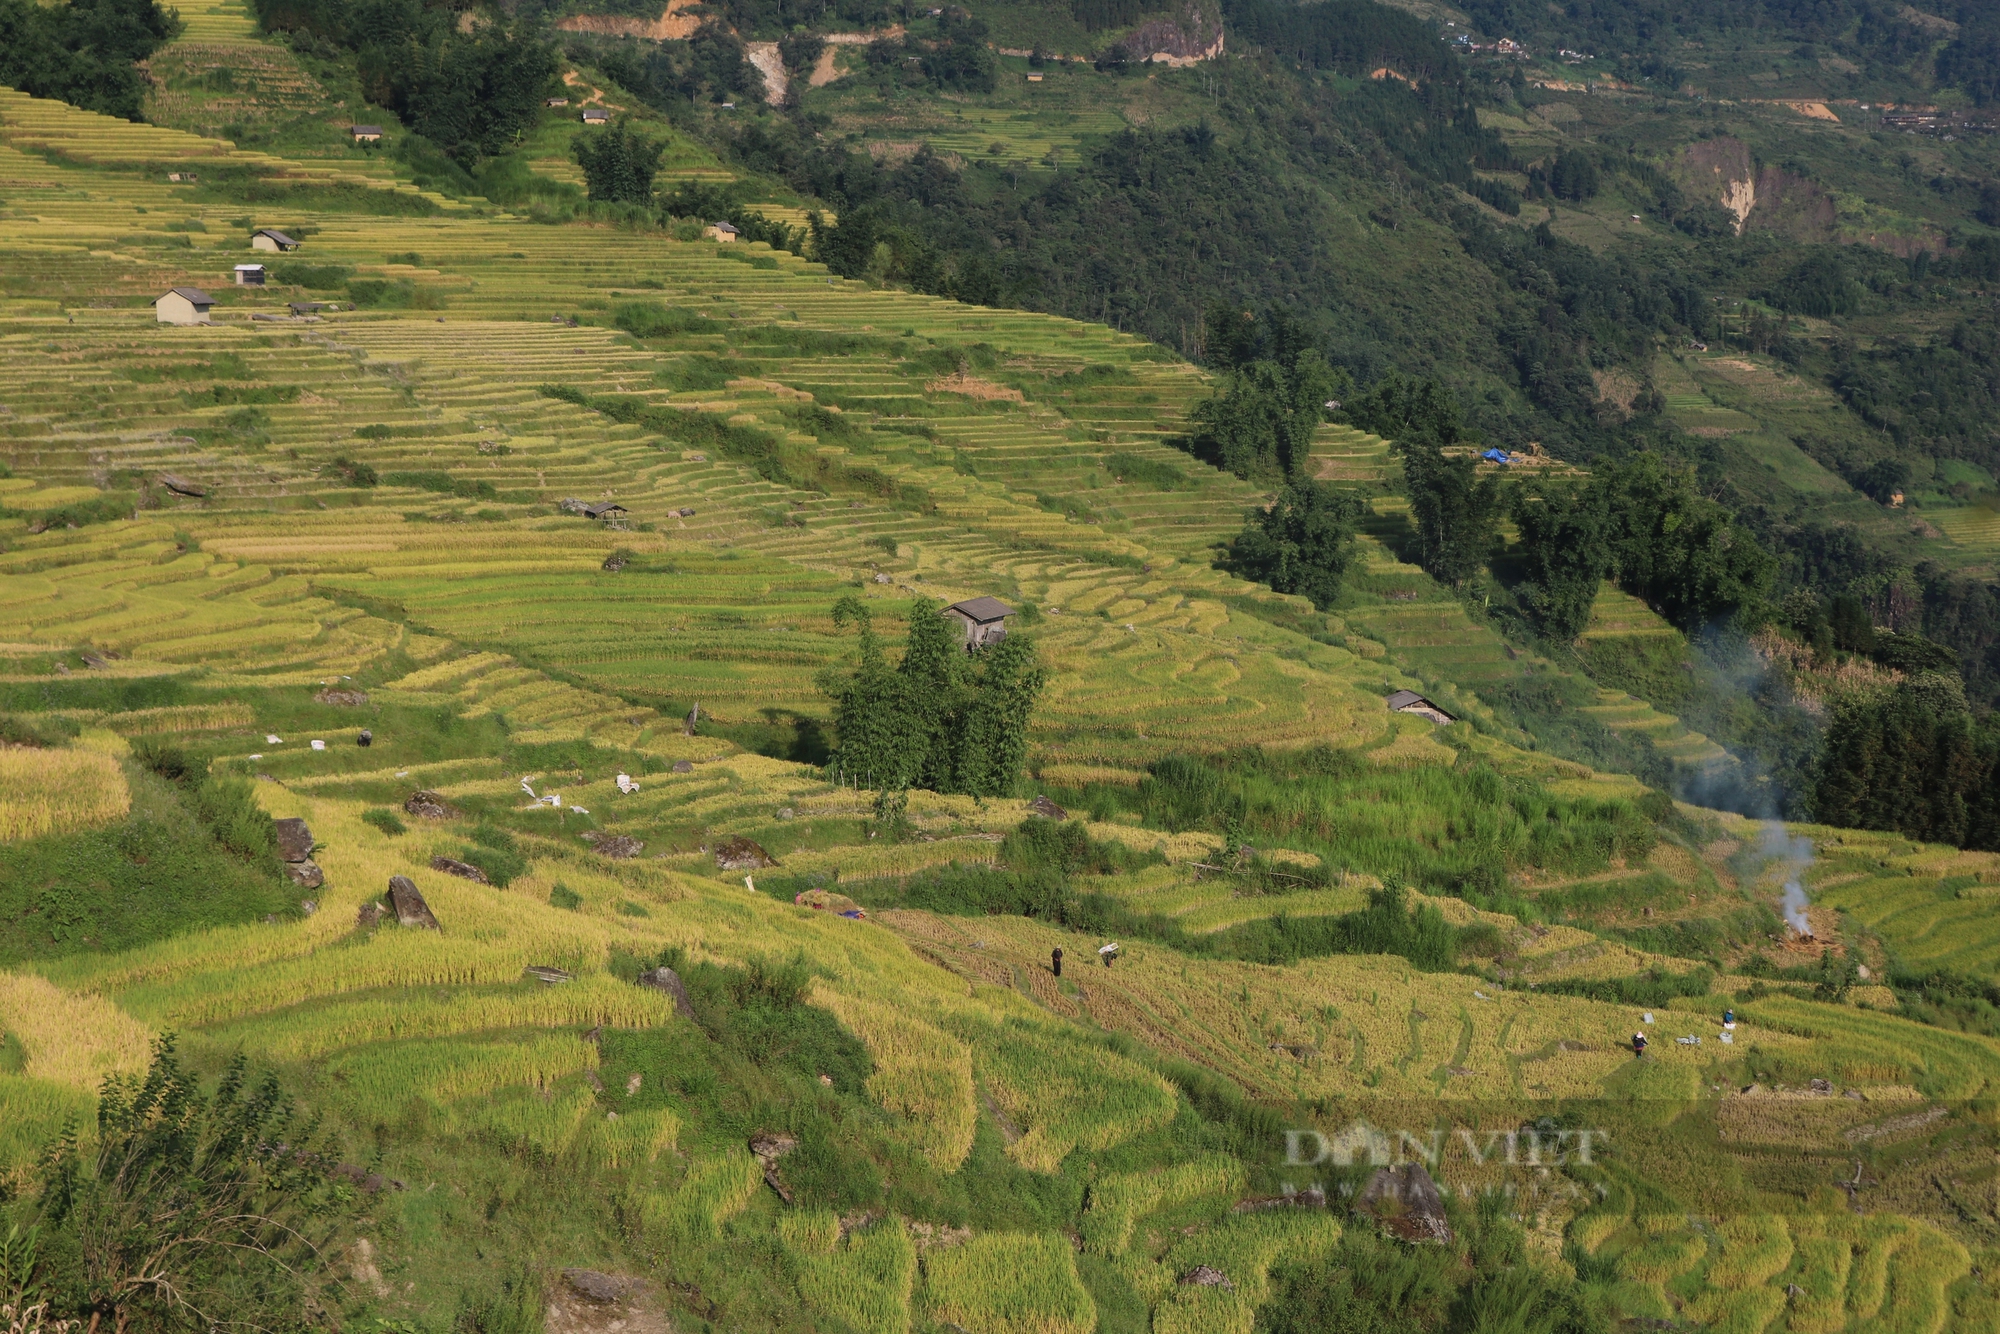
(1973, 527)
(1619, 618)
(1930, 907)
(457, 584)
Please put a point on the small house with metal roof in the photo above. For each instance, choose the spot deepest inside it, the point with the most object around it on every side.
(984, 620)
(1409, 701)
(183, 305)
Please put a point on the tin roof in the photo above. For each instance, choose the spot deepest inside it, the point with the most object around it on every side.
(194, 294)
(980, 610)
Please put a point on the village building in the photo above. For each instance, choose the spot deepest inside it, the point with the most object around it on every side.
(720, 231)
(984, 620)
(366, 134)
(249, 275)
(594, 116)
(557, 102)
(1409, 701)
(607, 510)
(269, 238)
(183, 305)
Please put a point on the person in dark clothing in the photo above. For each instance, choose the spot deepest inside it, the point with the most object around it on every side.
(1055, 961)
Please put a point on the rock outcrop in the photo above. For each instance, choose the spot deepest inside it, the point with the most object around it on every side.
(429, 806)
(407, 902)
(463, 870)
(737, 853)
(1406, 1202)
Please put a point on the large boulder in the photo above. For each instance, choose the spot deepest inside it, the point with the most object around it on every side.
(295, 840)
(429, 806)
(306, 875)
(614, 845)
(1407, 1203)
(407, 902)
(463, 870)
(1044, 807)
(346, 698)
(666, 979)
(737, 853)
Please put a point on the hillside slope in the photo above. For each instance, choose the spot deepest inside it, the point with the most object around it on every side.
(232, 547)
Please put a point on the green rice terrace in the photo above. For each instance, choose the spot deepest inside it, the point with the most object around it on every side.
(509, 567)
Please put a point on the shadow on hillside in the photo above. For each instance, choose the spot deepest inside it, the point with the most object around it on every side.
(780, 734)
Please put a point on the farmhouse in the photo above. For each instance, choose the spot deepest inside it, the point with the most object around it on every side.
(984, 619)
(1409, 701)
(557, 102)
(268, 238)
(609, 509)
(249, 275)
(720, 231)
(366, 134)
(1034, 78)
(595, 116)
(183, 305)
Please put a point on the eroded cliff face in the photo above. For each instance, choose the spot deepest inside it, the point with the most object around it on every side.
(1188, 37)
(675, 23)
(1762, 198)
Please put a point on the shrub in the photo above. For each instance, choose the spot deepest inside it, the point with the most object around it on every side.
(385, 820)
(228, 806)
(186, 1194)
(320, 277)
(496, 855)
(354, 472)
(1137, 468)
(562, 896)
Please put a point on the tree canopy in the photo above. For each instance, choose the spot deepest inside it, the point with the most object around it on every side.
(1565, 540)
(472, 93)
(941, 718)
(1277, 389)
(84, 51)
(1302, 544)
(619, 165)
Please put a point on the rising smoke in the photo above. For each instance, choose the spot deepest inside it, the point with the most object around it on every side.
(1795, 855)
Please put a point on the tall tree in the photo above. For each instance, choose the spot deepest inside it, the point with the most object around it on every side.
(1302, 544)
(619, 165)
(941, 718)
(1455, 513)
(1277, 390)
(1564, 541)
(1683, 553)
